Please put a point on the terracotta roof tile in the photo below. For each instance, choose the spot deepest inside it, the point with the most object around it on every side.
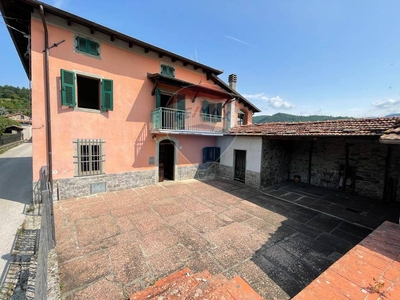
(392, 134)
(349, 127)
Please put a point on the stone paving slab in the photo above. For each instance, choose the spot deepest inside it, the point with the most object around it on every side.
(122, 242)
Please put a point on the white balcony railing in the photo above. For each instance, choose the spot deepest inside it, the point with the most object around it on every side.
(167, 119)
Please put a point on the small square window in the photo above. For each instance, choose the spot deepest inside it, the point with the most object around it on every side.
(211, 154)
(89, 157)
(87, 46)
(167, 71)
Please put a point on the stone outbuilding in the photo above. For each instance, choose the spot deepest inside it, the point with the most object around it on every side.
(357, 155)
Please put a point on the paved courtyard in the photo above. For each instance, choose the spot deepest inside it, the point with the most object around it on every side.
(111, 245)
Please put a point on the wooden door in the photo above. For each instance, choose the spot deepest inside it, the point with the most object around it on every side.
(240, 165)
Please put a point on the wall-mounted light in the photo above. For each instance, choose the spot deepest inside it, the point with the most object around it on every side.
(154, 137)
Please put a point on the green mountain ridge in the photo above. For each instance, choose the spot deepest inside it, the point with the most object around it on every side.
(281, 117)
(14, 100)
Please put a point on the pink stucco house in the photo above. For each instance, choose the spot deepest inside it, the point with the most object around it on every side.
(111, 112)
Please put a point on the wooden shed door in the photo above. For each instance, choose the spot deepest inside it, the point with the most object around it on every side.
(240, 165)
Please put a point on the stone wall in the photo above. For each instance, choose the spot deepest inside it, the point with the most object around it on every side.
(275, 161)
(202, 171)
(394, 170)
(82, 186)
(327, 156)
(282, 160)
(253, 179)
(225, 172)
(366, 157)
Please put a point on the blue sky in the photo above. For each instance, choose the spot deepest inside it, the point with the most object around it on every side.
(303, 57)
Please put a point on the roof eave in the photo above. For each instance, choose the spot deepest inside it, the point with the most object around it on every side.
(71, 18)
(13, 33)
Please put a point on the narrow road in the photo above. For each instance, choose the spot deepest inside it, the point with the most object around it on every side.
(15, 192)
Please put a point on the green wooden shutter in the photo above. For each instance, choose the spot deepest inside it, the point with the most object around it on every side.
(158, 98)
(181, 101)
(81, 44)
(171, 72)
(219, 112)
(205, 152)
(107, 94)
(217, 154)
(205, 111)
(93, 48)
(68, 88)
(180, 115)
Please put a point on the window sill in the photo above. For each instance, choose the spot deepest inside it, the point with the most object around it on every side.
(88, 110)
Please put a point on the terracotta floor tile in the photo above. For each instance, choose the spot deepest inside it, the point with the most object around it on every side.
(94, 230)
(392, 274)
(82, 271)
(101, 290)
(127, 262)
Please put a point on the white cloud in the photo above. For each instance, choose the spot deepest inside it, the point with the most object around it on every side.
(59, 3)
(275, 102)
(389, 103)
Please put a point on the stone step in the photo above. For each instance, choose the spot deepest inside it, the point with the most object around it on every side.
(204, 289)
(182, 288)
(184, 285)
(161, 285)
(241, 290)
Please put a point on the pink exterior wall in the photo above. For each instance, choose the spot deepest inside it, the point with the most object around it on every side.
(125, 130)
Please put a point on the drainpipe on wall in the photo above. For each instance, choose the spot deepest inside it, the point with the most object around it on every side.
(47, 103)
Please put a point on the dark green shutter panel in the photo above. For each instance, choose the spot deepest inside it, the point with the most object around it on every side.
(205, 111)
(205, 152)
(107, 94)
(181, 101)
(217, 154)
(81, 44)
(180, 114)
(219, 112)
(164, 70)
(93, 48)
(68, 88)
(158, 98)
(171, 71)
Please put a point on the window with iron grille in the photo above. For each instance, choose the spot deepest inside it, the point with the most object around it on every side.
(89, 157)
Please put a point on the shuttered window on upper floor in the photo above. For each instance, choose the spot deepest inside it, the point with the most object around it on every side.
(87, 46)
(86, 92)
(167, 70)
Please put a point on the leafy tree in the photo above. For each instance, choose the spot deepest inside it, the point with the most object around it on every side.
(15, 99)
(5, 122)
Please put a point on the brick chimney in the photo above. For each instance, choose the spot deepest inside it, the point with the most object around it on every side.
(232, 79)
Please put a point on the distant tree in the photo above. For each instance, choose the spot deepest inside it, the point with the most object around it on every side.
(15, 99)
(281, 117)
(3, 111)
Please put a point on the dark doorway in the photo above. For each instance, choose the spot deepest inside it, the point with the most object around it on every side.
(240, 165)
(166, 161)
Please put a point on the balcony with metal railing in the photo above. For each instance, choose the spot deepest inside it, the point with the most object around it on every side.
(175, 121)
